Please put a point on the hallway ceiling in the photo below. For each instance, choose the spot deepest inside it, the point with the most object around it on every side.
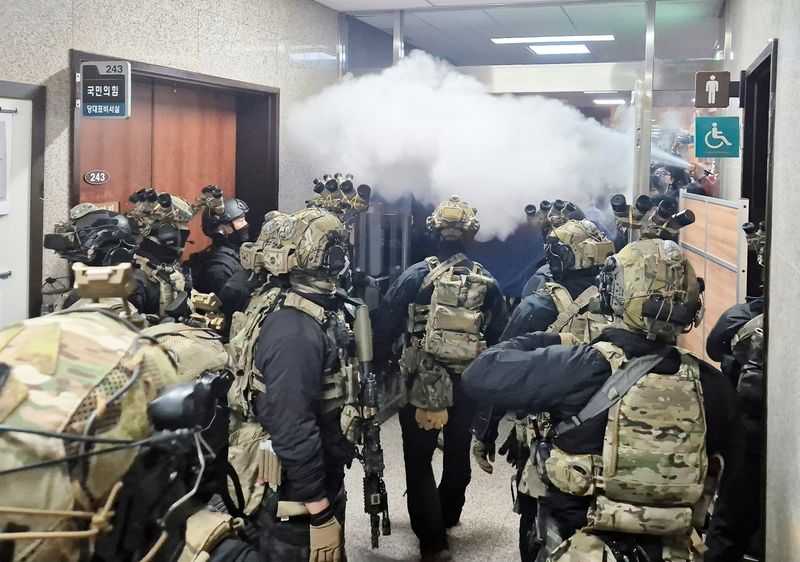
(685, 29)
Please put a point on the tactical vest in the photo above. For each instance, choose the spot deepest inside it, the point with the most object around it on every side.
(170, 279)
(585, 326)
(652, 472)
(444, 337)
(250, 451)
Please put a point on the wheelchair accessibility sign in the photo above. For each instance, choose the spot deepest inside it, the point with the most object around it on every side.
(716, 137)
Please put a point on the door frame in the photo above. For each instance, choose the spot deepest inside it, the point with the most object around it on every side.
(37, 95)
(253, 171)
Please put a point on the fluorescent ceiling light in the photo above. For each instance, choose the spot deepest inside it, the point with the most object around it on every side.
(610, 102)
(559, 49)
(600, 92)
(555, 39)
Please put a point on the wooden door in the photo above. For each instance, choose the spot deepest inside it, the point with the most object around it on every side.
(178, 139)
(120, 147)
(194, 145)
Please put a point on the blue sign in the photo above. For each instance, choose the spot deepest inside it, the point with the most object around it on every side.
(716, 137)
(105, 89)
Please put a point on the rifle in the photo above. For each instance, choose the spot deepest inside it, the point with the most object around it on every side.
(376, 503)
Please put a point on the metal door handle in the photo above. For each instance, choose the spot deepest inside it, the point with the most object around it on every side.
(5, 274)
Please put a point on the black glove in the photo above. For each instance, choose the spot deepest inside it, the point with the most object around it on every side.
(512, 448)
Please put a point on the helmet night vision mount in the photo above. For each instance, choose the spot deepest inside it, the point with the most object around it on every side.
(653, 221)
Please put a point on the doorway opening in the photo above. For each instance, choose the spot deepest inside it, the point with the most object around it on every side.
(186, 131)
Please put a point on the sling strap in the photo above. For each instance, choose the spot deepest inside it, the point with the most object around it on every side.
(573, 309)
(612, 391)
(442, 267)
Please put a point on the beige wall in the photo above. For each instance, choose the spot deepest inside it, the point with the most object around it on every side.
(248, 40)
(752, 23)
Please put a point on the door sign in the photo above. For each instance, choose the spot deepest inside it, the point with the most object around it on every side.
(105, 89)
(96, 177)
(712, 89)
(716, 137)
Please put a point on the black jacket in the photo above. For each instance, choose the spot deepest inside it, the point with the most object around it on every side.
(292, 353)
(389, 320)
(530, 373)
(214, 266)
(718, 342)
(536, 312)
(537, 280)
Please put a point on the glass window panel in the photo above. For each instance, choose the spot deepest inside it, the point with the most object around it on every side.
(369, 41)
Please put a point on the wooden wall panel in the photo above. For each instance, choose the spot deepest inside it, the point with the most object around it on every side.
(121, 147)
(695, 234)
(695, 340)
(723, 232)
(194, 144)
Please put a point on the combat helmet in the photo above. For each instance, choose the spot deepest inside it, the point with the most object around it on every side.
(652, 287)
(454, 219)
(93, 236)
(220, 210)
(96, 430)
(576, 245)
(312, 241)
(163, 219)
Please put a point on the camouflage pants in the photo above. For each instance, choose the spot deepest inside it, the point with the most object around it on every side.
(289, 541)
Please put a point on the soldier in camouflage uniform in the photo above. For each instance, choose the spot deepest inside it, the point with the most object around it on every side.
(450, 309)
(737, 341)
(575, 251)
(164, 223)
(635, 419)
(96, 459)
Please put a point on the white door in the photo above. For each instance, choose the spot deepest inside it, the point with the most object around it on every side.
(15, 226)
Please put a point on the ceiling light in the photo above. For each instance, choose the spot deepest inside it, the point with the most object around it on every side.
(610, 102)
(559, 49)
(554, 39)
(600, 91)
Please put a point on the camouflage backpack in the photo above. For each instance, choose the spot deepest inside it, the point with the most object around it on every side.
(445, 336)
(77, 372)
(652, 472)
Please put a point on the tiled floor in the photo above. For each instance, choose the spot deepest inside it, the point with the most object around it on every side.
(488, 529)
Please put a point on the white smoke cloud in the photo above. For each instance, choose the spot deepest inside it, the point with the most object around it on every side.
(422, 128)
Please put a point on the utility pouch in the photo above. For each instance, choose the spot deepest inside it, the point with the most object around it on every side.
(205, 530)
(572, 474)
(453, 346)
(245, 456)
(431, 389)
(457, 320)
(607, 515)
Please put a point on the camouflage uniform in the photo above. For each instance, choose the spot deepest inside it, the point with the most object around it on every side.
(626, 465)
(66, 371)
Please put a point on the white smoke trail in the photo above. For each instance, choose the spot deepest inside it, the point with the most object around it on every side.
(422, 128)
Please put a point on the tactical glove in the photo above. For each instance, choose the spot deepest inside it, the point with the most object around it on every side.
(484, 455)
(325, 537)
(568, 339)
(511, 448)
(431, 419)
